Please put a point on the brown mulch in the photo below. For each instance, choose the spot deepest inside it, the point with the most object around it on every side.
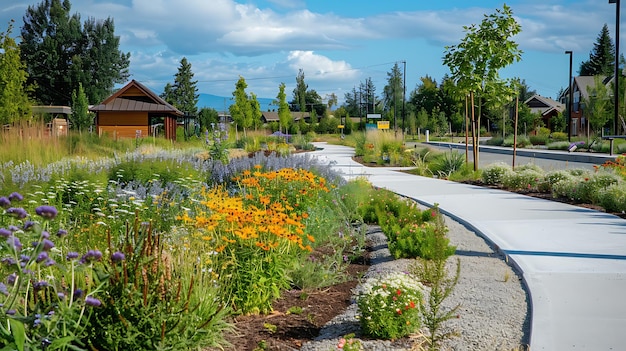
(285, 330)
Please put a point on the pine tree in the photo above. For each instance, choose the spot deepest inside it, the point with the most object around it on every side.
(183, 93)
(13, 97)
(299, 92)
(601, 58)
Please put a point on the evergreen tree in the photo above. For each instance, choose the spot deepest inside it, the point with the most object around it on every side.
(13, 97)
(183, 93)
(299, 92)
(255, 115)
(60, 53)
(284, 115)
(393, 92)
(601, 58)
(81, 118)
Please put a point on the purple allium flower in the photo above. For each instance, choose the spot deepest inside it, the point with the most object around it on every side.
(15, 196)
(24, 258)
(61, 296)
(14, 243)
(45, 234)
(40, 285)
(13, 228)
(50, 262)
(61, 232)
(90, 256)
(47, 244)
(11, 278)
(11, 312)
(72, 255)
(42, 257)
(47, 212)
(78, 293)
(17, 212)
(92, 301)
(118, 257)
(5, 202)
(9, 261)
(3, 289)
(29, 225)
(4, 232)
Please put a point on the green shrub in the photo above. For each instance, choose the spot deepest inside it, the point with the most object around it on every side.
(526, 179)
(522, 141)
(551, 178)
(448, 163)
(543, 131)
(538, 139)
(495, 141)
(613, 198)
(495, 173)
(558, 145)
(389, 307)
(559, 136)
(164, 171)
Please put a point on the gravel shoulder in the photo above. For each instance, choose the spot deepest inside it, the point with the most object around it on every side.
(494, 307)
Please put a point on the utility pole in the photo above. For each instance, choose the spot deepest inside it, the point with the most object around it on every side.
(403, 100)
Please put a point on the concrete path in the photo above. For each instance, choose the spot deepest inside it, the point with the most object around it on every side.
(573, 260)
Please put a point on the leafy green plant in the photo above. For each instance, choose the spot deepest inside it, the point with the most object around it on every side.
(449, 163)
(494, 174)
(613, 198)
(389, 306)
(525, 179)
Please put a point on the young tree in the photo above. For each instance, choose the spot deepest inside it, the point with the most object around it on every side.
(601, 58)
(476, 61)
(284, 115)
(208, 116)
(597, 105)
(60, 53)
(183, 93)
(255, 116)
(426, 95)
(241, 111)
(332, 100)
(81, 118)
(13, 97)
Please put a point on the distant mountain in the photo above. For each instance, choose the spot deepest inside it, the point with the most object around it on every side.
(222, 103)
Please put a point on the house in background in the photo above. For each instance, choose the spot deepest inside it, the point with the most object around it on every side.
(272, 116)
(581, 86)
(544, 106)
(136, 111)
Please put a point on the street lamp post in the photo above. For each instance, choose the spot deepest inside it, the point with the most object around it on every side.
(616, 73)
(404, 101)
(569, 100)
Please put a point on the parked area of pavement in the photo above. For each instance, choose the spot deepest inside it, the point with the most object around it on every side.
(572, 260)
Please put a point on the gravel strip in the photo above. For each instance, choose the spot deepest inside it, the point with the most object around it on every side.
(494, 306)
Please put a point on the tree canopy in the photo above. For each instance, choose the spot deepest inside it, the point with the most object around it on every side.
(183, 93)
(13, 97)
(601, 58)
(60, 52)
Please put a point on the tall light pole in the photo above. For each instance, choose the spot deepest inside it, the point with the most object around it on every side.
(616, 74)
(403, 100)
(569, 100)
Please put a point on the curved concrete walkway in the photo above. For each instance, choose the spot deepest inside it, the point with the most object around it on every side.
(572, 259)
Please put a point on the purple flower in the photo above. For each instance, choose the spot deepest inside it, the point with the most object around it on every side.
(45, 234)
(15, 196)
(24, 258)
(13, 228)
(29, 225)
(49, 262)
(5, 232)
(118, 257)
(47, 244)
(72, 255)
(17, 212)
(92, 301)
(47, 212)
(61, 296)
(61, 232)
(11, 278)
(42, 257)
(14, 243)
(90, 256)
(3, 289)
(5, 202)
(9, 261)
(11, 312)
(78, 293)
(40, 285)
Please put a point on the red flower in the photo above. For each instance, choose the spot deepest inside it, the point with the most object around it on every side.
(399, 292)
(412, 304)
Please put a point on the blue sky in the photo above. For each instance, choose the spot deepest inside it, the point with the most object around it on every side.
(337, 43)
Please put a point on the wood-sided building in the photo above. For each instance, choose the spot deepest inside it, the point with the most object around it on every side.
(136, 111)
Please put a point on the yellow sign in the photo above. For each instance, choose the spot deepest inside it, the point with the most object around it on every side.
(341, 126)
(383, 124)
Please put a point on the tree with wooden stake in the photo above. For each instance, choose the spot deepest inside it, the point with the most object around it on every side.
(476, 61)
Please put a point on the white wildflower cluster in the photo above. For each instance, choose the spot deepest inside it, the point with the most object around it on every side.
(392, 282)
